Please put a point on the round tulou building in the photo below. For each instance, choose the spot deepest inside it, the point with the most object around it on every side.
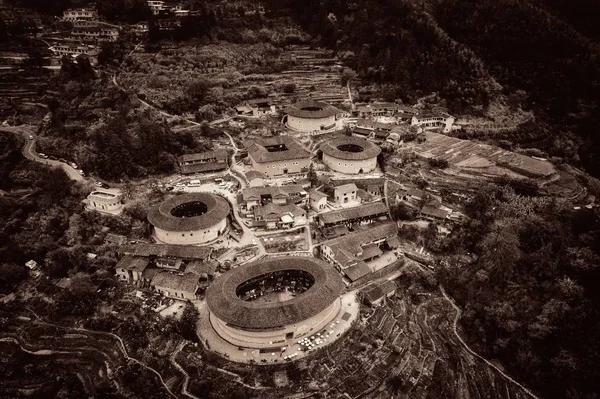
(272, 302)
(310, 116)
(189, 219)
(350, 155)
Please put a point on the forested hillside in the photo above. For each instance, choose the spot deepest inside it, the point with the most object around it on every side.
(106, 131)
(531, 297)
(539, 55)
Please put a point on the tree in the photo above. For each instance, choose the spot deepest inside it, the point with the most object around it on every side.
(312, 176)
(289, 88)
(11, 276)
(500, 251)
(347, 75)
(402, 212)
(189, 320)
(199, 89)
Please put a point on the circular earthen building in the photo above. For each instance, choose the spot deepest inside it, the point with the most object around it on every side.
(311, 116)
(188, 219)
(272, 302)
(351, 155)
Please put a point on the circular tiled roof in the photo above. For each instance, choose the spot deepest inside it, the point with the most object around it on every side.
(312, 110)
(161, 216)
(226, 305)
(335, 148)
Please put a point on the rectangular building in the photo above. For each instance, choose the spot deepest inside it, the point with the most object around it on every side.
(203, 162)
(279, 195)
(345, 193)
(130, 269)
(375, 294)
(273, 216)
(261, 107)
(80, 14)
(358, 215)
(318, 200)
(278, 156)
(179, 286)
(428, 121)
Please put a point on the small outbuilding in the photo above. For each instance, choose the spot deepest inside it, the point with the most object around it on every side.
(318, 200)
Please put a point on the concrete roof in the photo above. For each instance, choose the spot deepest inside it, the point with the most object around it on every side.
(161, 217)
(346, 188)
(224, 303)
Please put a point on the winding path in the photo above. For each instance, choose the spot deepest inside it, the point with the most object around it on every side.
(472, 352)
(28, 150)
(186, 376)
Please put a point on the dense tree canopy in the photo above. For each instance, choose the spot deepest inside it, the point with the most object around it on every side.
(530, 298)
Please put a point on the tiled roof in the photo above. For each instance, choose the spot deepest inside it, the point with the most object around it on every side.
(362, 131)
(217, 210)
(277, 210)
(331, 148)
(366, 123)
(434, 211)
(317, 195)
(254, 193)
(376, 292)
(259, 153)
(260, 102)
(428, 115)
(349, 248)
(312, 110)
(368, 210)
(357, 271)
(381, 134)
(199, 267)
(219, 154)
(370, 251)
(166, 251)
(226, 305)
(203, 167)
(176, 282)
(133, 263)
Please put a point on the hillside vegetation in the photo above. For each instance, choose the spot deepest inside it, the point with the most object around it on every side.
(537, 55)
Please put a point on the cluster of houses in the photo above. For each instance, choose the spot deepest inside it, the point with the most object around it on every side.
(163, 8)
(358, 236)
(274, 207)
(180, 272)
(85, 35)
